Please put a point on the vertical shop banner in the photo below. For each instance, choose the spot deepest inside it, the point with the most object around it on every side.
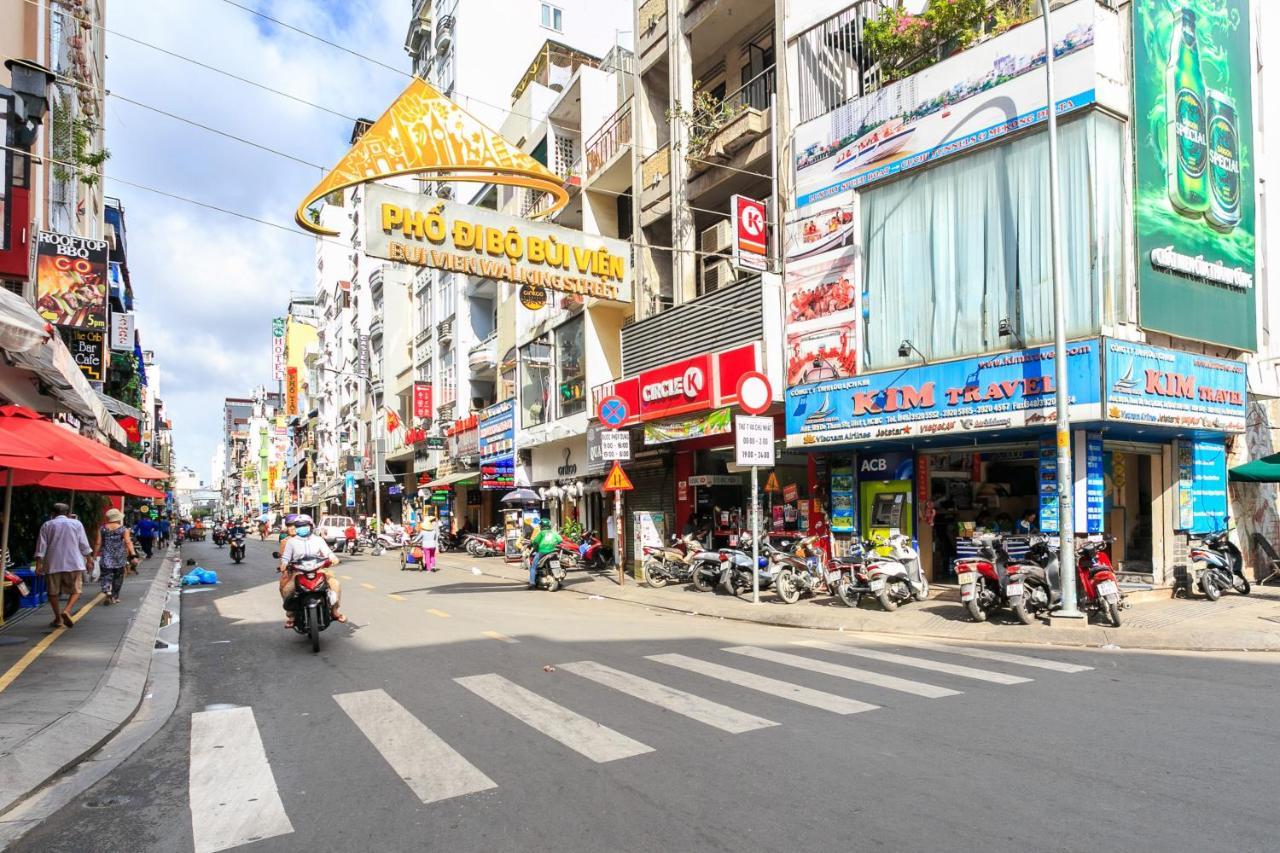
(1193, 152)
(1202, 485)
(71, 281)
(349, 488)
(497, 446)
(1186, 478)
(89, 351)
(842, 500)
(291, 391)
(983, 94)
(822, 313)
(1049, 518)
(362, 356)
(422, 400)
(750, 233)
(122, 331)
(1090, 482)
(277, 349)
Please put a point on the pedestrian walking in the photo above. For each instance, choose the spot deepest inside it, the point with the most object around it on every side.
(162, 530)
(145, 529)
(430, 539)
(115, 552)
(62, 557)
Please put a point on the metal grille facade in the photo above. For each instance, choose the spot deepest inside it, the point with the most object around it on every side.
(723, 319)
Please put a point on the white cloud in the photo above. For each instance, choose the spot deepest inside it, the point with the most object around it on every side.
(207, 284)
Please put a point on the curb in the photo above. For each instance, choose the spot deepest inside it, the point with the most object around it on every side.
(1094, 636)
(77, 734)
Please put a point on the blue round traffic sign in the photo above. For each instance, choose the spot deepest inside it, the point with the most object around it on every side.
(613, 411)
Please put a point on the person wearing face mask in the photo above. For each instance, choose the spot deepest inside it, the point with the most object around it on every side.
(303, 544)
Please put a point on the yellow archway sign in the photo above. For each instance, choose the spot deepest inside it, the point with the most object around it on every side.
(425, 133)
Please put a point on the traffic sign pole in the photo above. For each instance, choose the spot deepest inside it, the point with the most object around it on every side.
(755, 535)
(618, 546)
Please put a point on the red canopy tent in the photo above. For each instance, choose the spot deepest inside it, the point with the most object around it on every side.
(105, 484)
(24, 424)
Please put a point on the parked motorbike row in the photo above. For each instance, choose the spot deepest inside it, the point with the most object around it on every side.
(588, 551)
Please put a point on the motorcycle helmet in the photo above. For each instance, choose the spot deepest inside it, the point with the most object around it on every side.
(545, 523)
(302, 525)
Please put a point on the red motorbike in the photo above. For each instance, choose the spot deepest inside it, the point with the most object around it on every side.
(1099, 590)
(487, 544)
(984, 579)
(593, 553)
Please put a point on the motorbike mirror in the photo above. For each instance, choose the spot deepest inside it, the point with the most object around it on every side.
(275, 554)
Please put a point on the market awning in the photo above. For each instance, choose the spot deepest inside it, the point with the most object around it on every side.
(1264, 470)
(109, 484)
(21, 328)
(53, 363)
(118, 408)
(460, 477)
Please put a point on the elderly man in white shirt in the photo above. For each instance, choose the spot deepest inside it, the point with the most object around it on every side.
(62, 556)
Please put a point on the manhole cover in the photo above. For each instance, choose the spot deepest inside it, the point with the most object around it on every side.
(107, 802)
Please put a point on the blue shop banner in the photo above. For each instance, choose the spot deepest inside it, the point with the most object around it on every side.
(1154, 385)
(1094, 483)
(894, 465)
(986, 393)
(1049, 518)
(497, 446)
(1208, 485)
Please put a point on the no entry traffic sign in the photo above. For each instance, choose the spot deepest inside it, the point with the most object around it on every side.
(755, 394)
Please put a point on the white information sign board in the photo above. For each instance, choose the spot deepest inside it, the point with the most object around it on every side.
(753, 441)
(615, 445)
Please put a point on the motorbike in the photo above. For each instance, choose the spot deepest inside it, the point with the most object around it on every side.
(801, 569)
(983, 579)
(219, 537)
(1033, 582)
(674, 564)
(894, 574)
(488, 544)
(847, 576)
(449, 541)
(311, 600)
(593, 553)
(551, 571)
(1216, 566)
(386, 542)
(1098, 589)
(237, 549)
(354, 546)
(730, 569)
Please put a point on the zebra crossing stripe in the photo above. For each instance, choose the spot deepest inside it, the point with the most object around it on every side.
(432, 769)
(918, 663)
(1003, 657)
(677, 701)
(584, 736)
(233, 794)
(865, 676)
(772, 686)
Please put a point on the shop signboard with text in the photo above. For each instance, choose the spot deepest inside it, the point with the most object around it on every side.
(981, 394)
(1194, 162)
(1202, 485)
(696, 384)
(71, 281)
(1153, 385)
(497, 446)
(419, 230)
(422, 400)
(88, 352)
(981, 95)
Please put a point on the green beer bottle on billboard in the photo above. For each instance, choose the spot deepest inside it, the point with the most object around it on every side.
(1186, 117)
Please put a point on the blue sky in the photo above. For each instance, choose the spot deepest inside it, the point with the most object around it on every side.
(208, 284)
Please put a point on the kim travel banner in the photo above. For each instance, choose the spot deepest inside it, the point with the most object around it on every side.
(1194, 163)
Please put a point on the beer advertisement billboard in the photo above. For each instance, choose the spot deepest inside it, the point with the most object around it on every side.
(71, 281)
(1194, 205)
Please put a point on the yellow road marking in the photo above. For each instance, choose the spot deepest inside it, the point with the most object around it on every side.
(38, 649)
(494, 635)
(346, 577)
(368, 586)
(396, 597)
(439, 613)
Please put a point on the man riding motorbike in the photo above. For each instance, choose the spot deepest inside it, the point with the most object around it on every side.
(545, 541)
(303, 544)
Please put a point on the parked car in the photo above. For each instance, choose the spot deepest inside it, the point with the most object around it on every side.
(333, 527)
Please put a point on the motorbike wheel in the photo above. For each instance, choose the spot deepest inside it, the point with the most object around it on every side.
(886, 599)
(655, 580)
(377, 550)
(313, 629)
(849, 598)
(785, 585)
(553, 583)
(1112, 609)
(975, 609)
(920, 593)
(1241, 585)
(1025, 615)
(703, 582)
(1209, 588)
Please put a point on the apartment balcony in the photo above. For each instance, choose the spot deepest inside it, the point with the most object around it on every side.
(444, 33)
(745, 119)
(607, 167)
(651, 44)
(444, 331)
(482, 358)
(376, 325)
(655, 185)
(423, 337)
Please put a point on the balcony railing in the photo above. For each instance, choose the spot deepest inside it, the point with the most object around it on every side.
(444, 331)
(613, 136)
(756, 93)
(484, 355)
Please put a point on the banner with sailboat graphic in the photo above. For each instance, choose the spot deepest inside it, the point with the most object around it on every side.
(1158, 386)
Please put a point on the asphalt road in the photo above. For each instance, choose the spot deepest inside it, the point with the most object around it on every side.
(433, 723)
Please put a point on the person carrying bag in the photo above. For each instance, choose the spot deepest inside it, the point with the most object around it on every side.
(115, 553)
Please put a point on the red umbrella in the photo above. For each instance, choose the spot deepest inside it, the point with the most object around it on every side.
(25, 425)
(109, 484)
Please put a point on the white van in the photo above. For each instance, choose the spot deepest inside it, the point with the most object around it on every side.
(333, 527)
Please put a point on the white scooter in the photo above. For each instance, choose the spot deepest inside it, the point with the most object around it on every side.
(387, 542)
(894, 573)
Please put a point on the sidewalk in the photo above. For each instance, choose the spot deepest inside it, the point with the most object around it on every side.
(64, 691)
(1234, 623)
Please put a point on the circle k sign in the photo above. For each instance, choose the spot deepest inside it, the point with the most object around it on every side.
(690, 384)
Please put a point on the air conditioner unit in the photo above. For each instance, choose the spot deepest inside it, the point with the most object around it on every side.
(717, 273)
(717, 238)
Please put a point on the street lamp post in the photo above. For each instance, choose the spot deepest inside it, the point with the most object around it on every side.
(1066, 475)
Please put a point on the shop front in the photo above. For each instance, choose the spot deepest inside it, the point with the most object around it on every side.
(946, 451)
(562, 475)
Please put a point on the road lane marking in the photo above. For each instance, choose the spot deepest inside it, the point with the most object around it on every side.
(367, 585)
(772, 686)
(21, 664)
(1003, 657)
(703, 710)
(439, 613)
(584, 736)
(502, 638)
(919, 663)
(234, 799)
(889, 682)
(347, 577)
(431, 768)
(392, 595)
